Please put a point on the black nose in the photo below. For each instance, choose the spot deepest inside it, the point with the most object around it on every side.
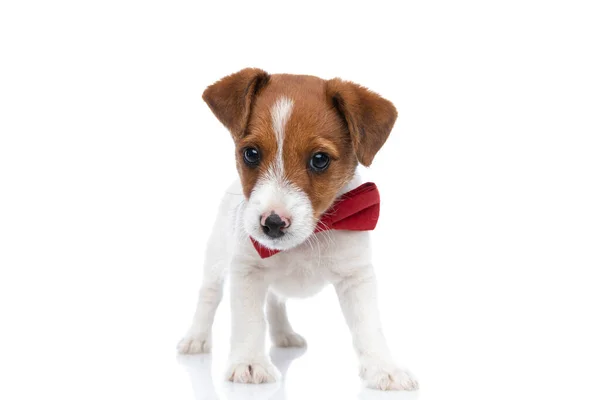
(273, 226)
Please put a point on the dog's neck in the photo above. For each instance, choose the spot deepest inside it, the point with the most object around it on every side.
(355, 182)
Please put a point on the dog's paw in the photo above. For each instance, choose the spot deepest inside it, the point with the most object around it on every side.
(287, 339)
(386, 378)
(253, 372)
(194, 344)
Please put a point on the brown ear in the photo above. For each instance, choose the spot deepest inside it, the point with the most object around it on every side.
(230, 98)
(370, 117)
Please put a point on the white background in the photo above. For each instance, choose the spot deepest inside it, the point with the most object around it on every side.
(111, 168)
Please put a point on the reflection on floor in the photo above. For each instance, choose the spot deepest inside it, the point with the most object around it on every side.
(200, 371)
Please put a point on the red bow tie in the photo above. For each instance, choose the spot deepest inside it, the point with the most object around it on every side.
(356, 210)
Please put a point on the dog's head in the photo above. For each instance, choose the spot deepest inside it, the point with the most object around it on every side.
(298, 141)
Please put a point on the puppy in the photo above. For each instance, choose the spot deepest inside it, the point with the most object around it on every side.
(298, 142)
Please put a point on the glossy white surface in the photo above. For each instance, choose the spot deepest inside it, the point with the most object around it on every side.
(111, 168)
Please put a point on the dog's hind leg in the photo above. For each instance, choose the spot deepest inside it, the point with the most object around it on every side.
(282, 334)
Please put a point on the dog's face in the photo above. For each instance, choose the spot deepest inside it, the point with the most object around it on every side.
(298, 141)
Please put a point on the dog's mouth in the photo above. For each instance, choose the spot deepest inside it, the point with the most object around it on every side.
(278, 218)
(271, 244)
(288, 240)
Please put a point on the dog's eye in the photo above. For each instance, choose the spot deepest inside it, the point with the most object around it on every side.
(319, 162)
(251, 156)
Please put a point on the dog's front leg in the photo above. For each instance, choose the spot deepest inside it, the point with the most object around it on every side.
(357, 294)
(248, 362)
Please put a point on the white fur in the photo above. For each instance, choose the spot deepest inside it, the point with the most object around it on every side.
(273, 192)
(340, 258)
(281, 112)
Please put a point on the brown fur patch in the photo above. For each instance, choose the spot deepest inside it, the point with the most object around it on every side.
(370, 117)
(230, 99)
(339, 118)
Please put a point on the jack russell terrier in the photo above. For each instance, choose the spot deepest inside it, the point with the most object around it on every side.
(297, 219)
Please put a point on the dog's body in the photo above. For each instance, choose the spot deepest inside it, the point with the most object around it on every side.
(278, 202)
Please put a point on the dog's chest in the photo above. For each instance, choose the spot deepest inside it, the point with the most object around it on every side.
(305, 270)
(297, 275)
